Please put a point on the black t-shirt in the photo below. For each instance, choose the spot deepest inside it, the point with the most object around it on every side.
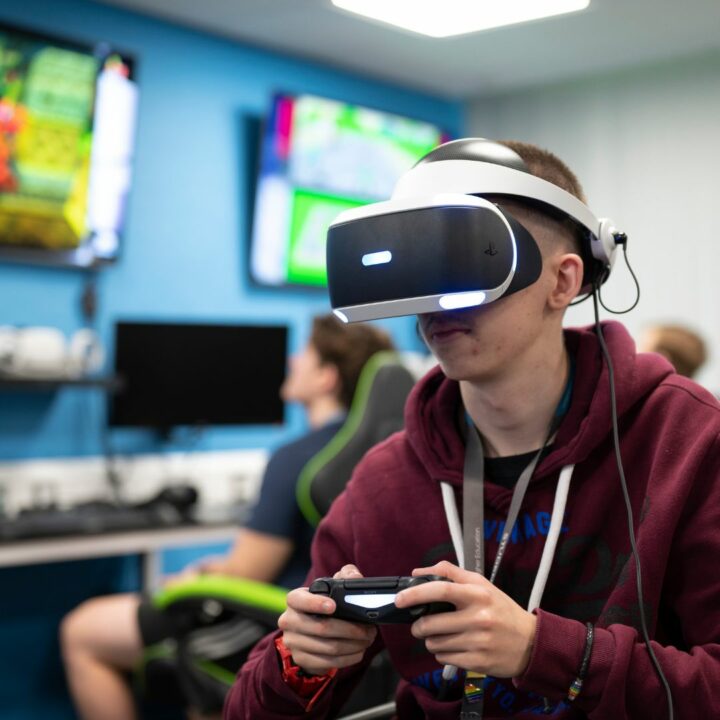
(506, 471)
(277, 512)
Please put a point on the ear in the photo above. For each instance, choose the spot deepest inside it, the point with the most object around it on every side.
(568, 271)
(329, 379)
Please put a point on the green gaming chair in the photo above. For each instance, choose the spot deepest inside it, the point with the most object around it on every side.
(221, 618)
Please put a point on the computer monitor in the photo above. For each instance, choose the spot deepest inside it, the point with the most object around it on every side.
(175, 374)
(67, 130)
(318, 158)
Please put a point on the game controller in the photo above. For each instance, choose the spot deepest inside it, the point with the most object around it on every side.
(372, 600)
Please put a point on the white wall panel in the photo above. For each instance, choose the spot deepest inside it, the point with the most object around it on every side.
(646, 147)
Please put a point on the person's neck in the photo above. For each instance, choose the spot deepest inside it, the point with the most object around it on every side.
(321, 410)
(513, 411)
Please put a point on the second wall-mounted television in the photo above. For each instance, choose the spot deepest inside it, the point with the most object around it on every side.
(67, 128)
(319, 157)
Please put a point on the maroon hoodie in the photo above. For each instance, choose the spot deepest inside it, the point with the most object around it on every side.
(391, 520)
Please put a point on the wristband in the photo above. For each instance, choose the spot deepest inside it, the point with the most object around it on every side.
(577, 683)
(306, 686)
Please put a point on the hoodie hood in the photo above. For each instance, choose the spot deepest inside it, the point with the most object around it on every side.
(440, 447)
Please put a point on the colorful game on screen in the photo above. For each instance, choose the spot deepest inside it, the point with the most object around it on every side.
(320, 157)
(67, 116)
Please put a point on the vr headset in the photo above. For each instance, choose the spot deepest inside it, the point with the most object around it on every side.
(438, 244)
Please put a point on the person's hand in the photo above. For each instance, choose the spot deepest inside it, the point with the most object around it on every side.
(184, 576)
(319, 644)
(489, 633)
(209, 565)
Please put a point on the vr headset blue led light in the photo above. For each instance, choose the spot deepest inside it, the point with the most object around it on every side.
(438, 244)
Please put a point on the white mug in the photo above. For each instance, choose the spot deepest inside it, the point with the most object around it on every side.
(8, 336)
(85, 353)
(39, 352)
(43, 352)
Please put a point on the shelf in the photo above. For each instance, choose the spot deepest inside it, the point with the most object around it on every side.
(109, 383)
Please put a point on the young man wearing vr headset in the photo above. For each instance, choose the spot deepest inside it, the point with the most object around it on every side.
(537, 467)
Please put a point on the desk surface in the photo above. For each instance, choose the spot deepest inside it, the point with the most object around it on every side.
(57, 549)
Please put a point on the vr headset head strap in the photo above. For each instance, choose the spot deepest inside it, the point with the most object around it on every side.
(476, 166)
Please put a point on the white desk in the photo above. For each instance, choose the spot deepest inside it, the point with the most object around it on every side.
(146, 543)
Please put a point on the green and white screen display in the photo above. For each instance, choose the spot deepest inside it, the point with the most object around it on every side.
(320, 157)
(67, 130)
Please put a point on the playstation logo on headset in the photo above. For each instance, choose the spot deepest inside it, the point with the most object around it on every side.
(451, 247)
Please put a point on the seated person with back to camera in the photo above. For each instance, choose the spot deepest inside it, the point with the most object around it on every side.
(104, 637)
(530, 460)
(682, 347)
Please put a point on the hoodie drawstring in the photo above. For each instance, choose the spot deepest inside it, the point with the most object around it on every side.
(558, 512)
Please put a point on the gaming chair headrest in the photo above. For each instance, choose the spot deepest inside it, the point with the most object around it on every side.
(376, 412)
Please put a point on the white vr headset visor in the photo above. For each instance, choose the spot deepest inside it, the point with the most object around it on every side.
(436, 245)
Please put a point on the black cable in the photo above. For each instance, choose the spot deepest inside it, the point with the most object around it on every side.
(628, 506)
(112, 476)
(622, 241)
(89, 299)
(581, 300)
(88, 307)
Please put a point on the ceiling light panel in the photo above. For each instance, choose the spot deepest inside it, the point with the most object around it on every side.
(446, 18)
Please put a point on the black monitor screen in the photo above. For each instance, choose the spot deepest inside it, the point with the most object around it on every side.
(181, 374)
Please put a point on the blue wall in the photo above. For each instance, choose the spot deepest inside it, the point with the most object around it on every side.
(183, 259)
(184, 251)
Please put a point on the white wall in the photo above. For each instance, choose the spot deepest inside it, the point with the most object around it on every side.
(646, 147)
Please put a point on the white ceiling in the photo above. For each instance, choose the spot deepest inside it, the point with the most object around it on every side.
(611, 34)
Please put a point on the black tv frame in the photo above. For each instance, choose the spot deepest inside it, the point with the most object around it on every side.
(67, 258)
(253, 132)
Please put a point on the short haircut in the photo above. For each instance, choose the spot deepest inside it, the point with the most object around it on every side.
(348, 347)
(684, 348)
(548, 166)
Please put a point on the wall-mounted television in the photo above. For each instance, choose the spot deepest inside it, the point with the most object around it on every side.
(67, 126)
(319, 157)
(197, 375)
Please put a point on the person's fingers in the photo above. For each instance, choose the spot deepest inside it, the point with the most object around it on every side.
(319, 643)
(455, 643)
(435, 592)
(180, 578)
(466, 586)
(321, 664)
(447, 623)
(452, 572)
(427, 592)
(325, 627)
(347, 571)
(301, 600)
(331, 647)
